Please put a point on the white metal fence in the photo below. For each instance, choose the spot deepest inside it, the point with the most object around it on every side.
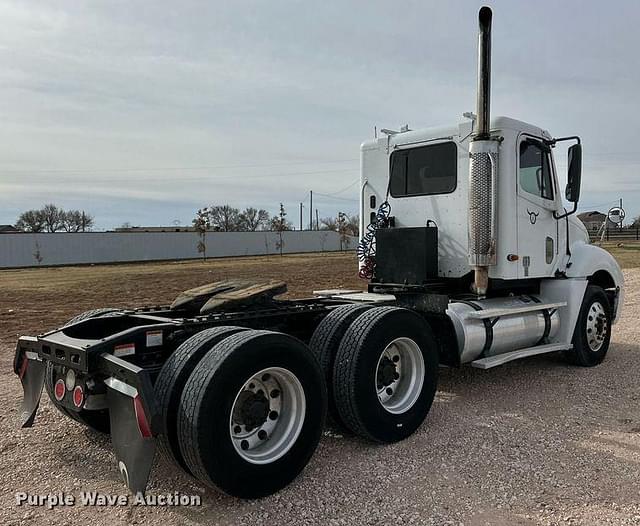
(29, 250)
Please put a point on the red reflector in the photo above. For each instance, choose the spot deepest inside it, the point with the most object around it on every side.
(59, 390)
(78, 396)
(141, 417)
(23, 367)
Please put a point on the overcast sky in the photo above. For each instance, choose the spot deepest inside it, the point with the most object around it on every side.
(144, 111)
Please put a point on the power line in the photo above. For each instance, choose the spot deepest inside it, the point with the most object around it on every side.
(206, 177)
(338, 198)
(345, 188)
(170, 168)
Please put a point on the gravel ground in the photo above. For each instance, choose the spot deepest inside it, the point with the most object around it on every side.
(532, 442)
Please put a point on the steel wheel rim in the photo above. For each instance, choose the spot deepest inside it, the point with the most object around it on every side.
(281, 391)
(597, 326)
(399, 388)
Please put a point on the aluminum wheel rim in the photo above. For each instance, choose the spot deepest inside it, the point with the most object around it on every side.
(597, 326)
(269, 441)
(398, 393)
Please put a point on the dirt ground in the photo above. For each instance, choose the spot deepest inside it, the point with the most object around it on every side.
(532, 442)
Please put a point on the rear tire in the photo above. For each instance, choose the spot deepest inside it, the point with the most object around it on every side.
(385, 374)
(592, 333)
(224, 405)
(325, 343)
(172, 379)
(98, 420)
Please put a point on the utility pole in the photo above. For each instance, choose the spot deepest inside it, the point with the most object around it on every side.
(310, 209)
(621, 212)
(300, 216)
(317, 221)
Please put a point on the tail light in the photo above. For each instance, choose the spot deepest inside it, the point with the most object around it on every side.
(78, 396)
(59, 390)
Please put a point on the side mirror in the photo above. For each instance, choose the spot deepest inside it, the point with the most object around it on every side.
(574, 174)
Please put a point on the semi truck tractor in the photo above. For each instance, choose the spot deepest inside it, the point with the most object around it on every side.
(471, 258)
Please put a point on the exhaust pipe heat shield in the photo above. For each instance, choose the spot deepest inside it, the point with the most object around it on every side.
(483, 170)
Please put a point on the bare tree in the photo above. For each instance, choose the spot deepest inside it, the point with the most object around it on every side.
(329, 223)
(53, 217)
(252, 219)
(76, 221)
(37, 254)
(353, 225)
(31, 221)
(345, 225)
(343, 229)
(279, 223)
(202, 223)
(224, 218)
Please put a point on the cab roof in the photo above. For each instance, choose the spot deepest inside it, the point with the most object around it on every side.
(459, 133)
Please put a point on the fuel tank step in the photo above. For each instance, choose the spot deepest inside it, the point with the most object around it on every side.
(494, 361)
(509, 311)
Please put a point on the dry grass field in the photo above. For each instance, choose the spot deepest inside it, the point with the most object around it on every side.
(533, 442)
(627, 253)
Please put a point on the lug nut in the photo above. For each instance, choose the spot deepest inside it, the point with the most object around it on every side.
(275, 393)
(273, 415)
(252, 386)
(389, 391)
(396, 359)
(262, 434)
(244, 444)
(396, 376)
(237, 430)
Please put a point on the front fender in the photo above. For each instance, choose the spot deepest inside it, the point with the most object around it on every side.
(587, 259)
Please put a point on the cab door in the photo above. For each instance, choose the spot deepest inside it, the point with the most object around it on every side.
(537, 196)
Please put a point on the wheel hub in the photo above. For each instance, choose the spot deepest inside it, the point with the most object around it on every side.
(597, 326)
(400, 375)
(253, 409)
(387, 372)
(267, 415)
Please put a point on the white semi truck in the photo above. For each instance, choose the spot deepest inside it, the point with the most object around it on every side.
(471, 257)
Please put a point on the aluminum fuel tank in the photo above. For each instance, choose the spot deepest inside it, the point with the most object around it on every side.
(488, 337)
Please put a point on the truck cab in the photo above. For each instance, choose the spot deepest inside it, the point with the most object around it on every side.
(423, 175)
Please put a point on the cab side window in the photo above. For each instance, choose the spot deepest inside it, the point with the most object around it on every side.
(535, 170)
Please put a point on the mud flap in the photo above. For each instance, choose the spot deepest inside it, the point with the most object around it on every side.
(30, 368)
(131, 435)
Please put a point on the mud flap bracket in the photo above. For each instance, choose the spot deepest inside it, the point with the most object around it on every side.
(131, 416)
(133, 446)
(30, 369)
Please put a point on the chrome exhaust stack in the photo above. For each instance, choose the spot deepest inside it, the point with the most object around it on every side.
(483, 168)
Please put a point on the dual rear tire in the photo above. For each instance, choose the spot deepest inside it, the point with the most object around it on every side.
(381, 365)
(242, 410)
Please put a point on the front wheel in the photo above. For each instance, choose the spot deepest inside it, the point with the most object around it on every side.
(592, 333)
